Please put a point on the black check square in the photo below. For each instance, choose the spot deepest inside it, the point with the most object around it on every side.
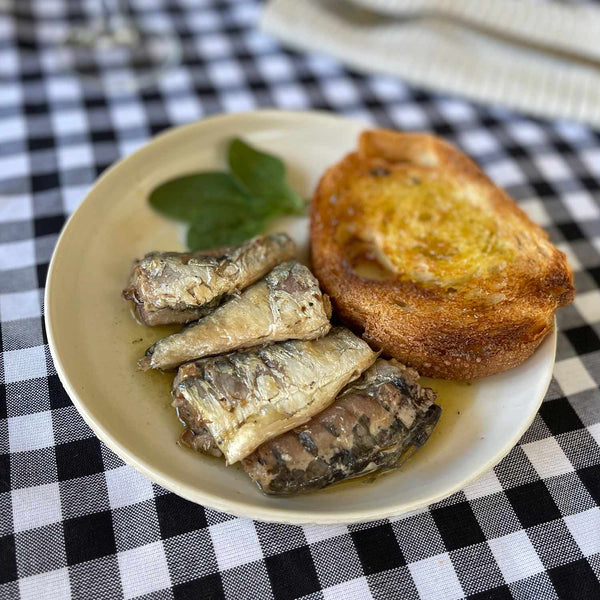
(533, 504)
(559, 416)
(177, 516)
(209, 587)
(48, 225)
(584, 339)
(502, 592)
(292, 574)
(377, 549)
(575, 581)
(89, 537)
(590, 477)
(571, 231)
(8, 559)
(5, 483)
(458, 526)
(78, 458)
(57, 394)
(47, 181)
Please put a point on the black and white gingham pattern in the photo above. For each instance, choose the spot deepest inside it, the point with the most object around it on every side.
(76, 522)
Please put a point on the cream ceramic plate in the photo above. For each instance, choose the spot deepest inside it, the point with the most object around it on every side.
(95, 342)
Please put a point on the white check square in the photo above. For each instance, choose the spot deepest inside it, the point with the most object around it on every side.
(144, 570)
(591, 158)
(15, 255)
(595, 431)
(20, 305)
(485, 485)
(290, 96)
(238, 101)
(435, 578)
(516, 556)
(36, 506)
(275, 67)
(63, 89)
(126, 487)
(53, 584)
(357, 589)
(73, 195)
(387, 88)
(69, 122)
(406, 116)
(30, 432)
(26, 363)
(213, 45)
(183, 110)
(340, 91)
(588, 304)
(526, 132)
(553, 167)
(125, 116)
(14, 165)
(572, 376)
(505, 172)
(318, 533)
(572, 258)
(226, 73)
(12, 128)
(16, 207)
(582, 206)
(71, 157)
(478, 141)
(235, 543)
(536, 211)
(547, 458)
(585, 529)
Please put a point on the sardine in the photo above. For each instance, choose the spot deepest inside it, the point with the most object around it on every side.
(376, 423)
(287, 304)
(246, 398)
(173, 287)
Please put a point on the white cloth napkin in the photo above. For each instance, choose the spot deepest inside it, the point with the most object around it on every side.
(542, 58)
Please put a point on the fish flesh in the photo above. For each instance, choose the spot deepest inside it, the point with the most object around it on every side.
(248, 397)
(286, 304)
(376, 423)
(174, 287)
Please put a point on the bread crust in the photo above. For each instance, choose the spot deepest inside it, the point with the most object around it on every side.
(489, 321)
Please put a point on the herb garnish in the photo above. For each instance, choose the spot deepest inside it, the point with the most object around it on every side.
(228, 208)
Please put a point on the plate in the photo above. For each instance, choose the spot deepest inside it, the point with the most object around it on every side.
(95, 342)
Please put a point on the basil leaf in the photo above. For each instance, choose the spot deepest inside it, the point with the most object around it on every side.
(186, 198)
(203, 234)
(263, 175)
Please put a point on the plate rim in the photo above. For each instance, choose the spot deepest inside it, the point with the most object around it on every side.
(203, 497)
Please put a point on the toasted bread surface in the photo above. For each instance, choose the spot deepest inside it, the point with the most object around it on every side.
(435, 264)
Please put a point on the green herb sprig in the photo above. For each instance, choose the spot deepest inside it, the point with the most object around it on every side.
(229, 208)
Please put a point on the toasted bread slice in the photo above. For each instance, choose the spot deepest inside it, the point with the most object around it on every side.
(435, 264)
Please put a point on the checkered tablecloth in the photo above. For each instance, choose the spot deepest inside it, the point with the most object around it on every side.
(76, 522)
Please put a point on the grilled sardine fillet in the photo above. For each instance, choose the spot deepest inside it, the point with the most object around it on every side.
(246, 398)
(375, 423)
(286, 304)
(173, 287)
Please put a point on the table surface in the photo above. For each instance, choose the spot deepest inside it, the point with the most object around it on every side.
(76, 522)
